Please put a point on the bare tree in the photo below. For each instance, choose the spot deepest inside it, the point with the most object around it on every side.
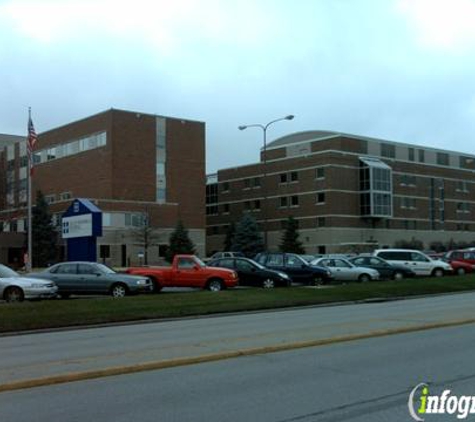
(145, 235)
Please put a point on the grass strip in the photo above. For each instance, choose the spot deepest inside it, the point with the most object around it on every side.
(77, 312)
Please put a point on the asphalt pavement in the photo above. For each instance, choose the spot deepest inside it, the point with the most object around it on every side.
(38, 359)
(361, 381)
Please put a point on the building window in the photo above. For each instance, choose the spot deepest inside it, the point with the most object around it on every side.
(294, 176)
(64, 196)
(462, 186)
(257, 204)
(463, 207)
(283, 178)
(320, 173)
(225, 186)
(247, 183)
(104, 251)
(226, 208)
(50, 199)
(283, 202)
(467, 162)
(421, 154)
(408, 203)
(408, 180)
(411, 154)
(210, 210)
(442, 159)
(162, 250)
(320, 197)
(257, 182)
(294, 201)
(388, 151)
(321, 222)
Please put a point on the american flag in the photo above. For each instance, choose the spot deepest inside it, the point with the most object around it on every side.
(31, 143)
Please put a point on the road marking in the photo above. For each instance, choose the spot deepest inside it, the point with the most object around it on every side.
(172, 363)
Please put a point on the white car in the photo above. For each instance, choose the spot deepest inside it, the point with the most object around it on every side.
(417, 261)
(344, 270)
(14, 288)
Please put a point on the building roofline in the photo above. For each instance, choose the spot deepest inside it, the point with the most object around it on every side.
(332, 134)
(111, 110)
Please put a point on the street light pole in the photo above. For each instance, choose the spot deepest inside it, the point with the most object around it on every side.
(264, 184)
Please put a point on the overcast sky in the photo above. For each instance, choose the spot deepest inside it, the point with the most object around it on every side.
(401, 70)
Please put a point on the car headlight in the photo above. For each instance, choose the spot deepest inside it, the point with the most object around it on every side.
(38, 286)
(142, 282)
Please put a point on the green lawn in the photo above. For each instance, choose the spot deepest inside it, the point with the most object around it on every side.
(85, 311)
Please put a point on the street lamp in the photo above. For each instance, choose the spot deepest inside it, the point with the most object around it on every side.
(264, 130)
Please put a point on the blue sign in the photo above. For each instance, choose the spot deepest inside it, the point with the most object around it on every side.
(81, 225)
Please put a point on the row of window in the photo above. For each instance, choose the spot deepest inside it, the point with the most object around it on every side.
(67, 149)
(255, 182)
(322, 222)
(441, 158)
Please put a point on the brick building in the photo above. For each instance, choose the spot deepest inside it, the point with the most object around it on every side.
(347, 193)
(131, 165)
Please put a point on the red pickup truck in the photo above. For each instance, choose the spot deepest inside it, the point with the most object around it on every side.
(188, 271)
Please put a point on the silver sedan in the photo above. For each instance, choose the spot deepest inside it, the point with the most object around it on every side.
(14, 288)
(344, 270)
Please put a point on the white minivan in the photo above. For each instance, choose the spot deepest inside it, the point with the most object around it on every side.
(417, 261)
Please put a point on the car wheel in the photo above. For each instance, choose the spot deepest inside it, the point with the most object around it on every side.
(461, 271)
(364, 278)
(268, 283)
(157, 287)
(118, 290)
(438, 272)
(215, 285)
(398, 275)
(14, 294)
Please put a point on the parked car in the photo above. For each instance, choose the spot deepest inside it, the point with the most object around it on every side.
(188, 271)
(251, 273)
(384, 268)
(218, 255)
(83, 277)
(417, 261)
(344, 270)
(295, 267)
(459, 267)
(15, 288)
(462, 255)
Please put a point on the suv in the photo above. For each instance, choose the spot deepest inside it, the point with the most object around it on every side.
(295, 267)
(417, 261)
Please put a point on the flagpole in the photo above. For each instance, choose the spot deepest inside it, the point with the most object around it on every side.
(30, 234)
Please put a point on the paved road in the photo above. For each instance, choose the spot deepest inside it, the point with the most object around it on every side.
(361, 381)
(27, 357)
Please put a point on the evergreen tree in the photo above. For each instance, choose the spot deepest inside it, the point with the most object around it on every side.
(180, 242)
(247, 238)
(290, 242)
(44, 245)
(228, 241)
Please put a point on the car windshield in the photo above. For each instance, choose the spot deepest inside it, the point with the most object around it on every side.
(7, 272)
(260, 266)
(200, 262)
(105, 269)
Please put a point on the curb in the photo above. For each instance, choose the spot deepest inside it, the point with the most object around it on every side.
(171, 363)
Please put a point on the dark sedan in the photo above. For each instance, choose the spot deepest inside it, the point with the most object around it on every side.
(92, 278)
(253, 274)
(384, 268)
